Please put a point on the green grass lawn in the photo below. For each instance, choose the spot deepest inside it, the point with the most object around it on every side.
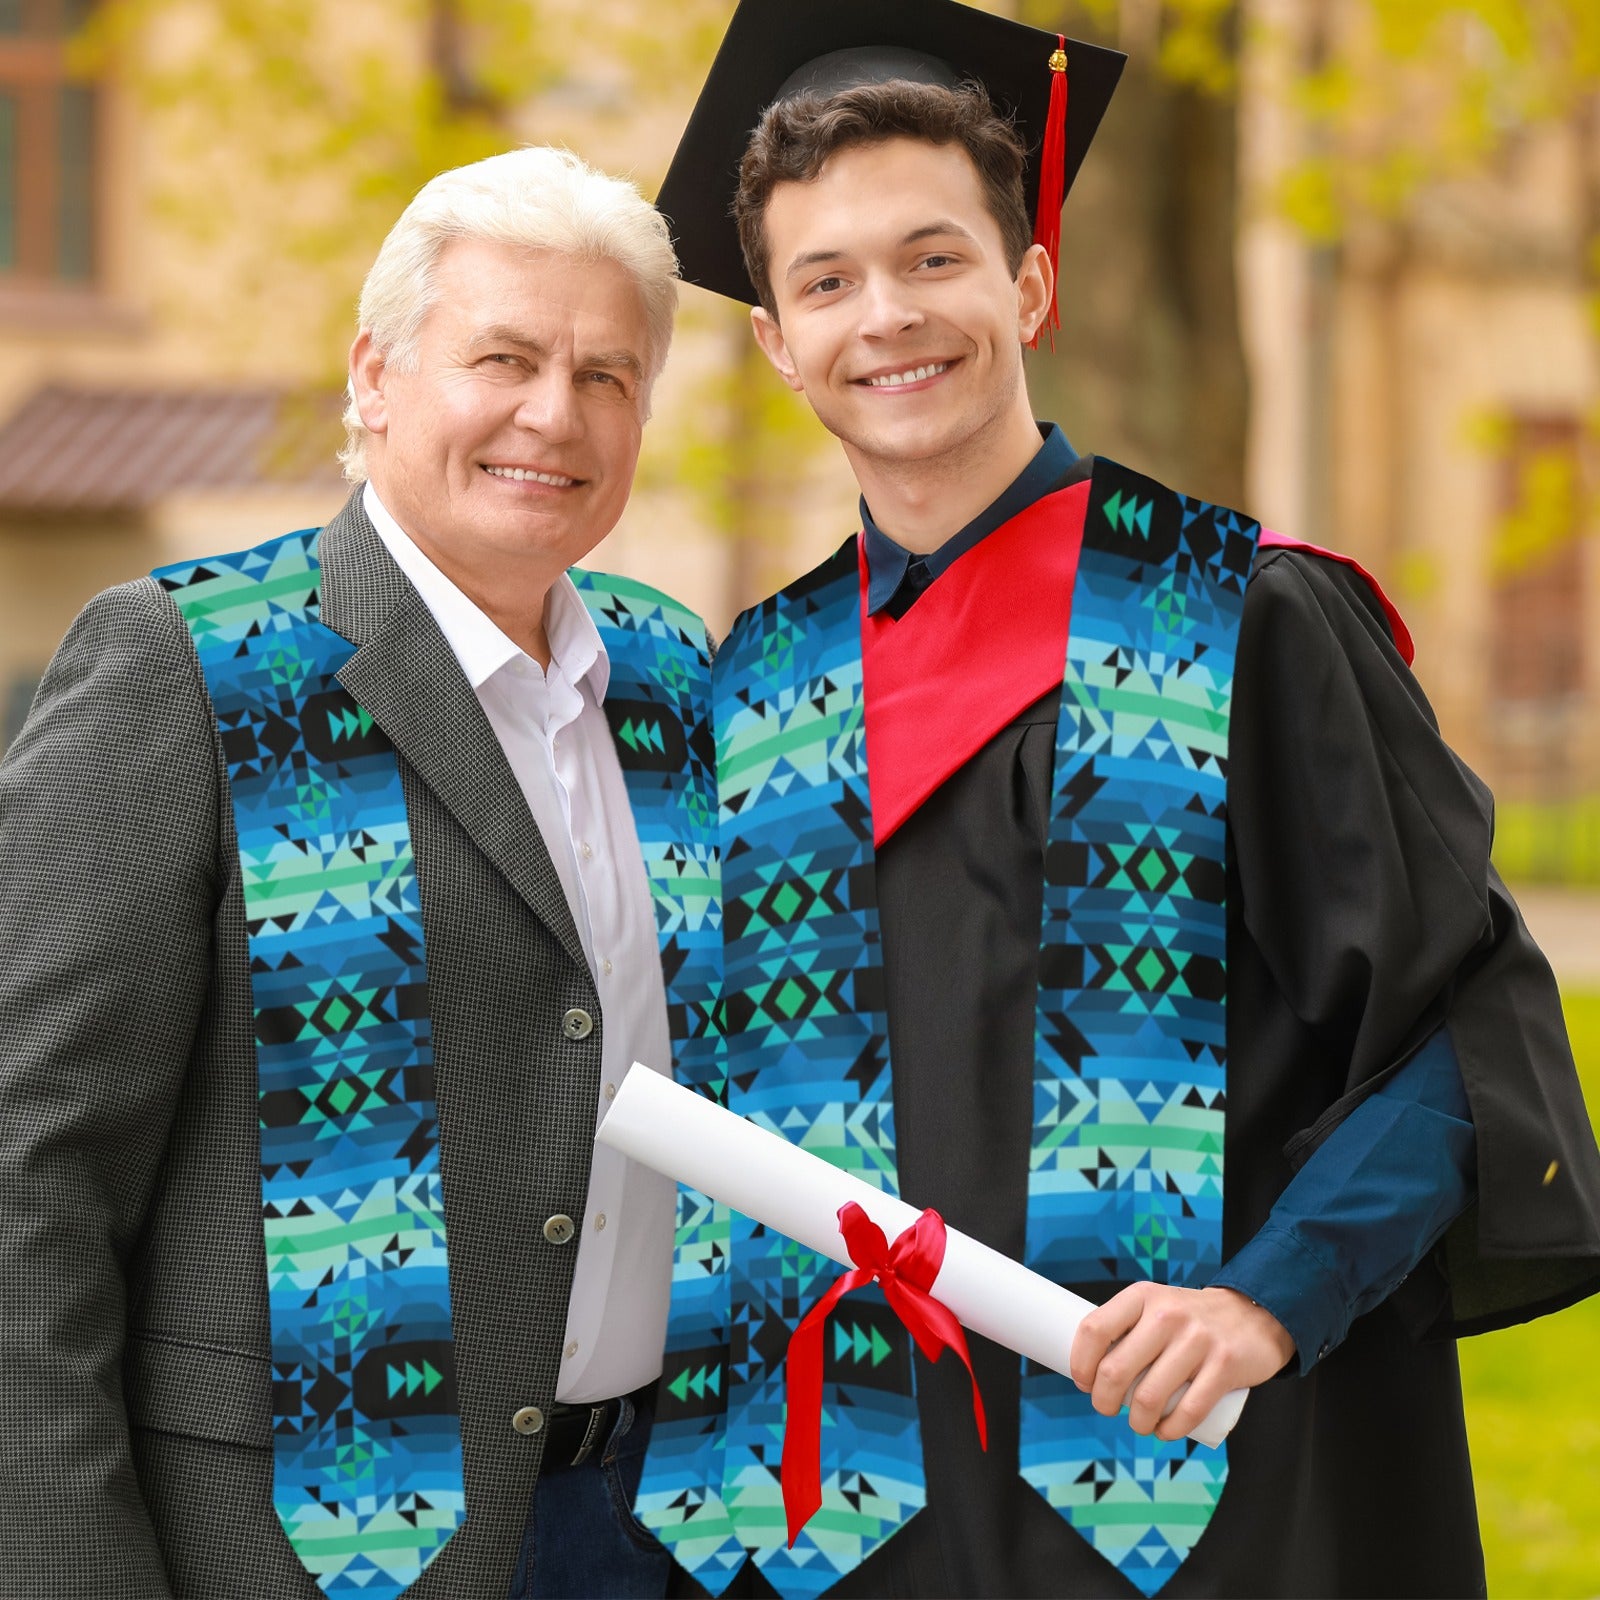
(1533, 1414)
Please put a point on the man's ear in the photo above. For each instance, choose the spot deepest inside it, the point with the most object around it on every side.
(1036, 282)
(367, 372)
(774, 347)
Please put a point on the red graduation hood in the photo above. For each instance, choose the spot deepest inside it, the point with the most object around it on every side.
(981, 645)
(986, 640)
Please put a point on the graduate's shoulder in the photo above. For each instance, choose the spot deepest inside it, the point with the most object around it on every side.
(1296, 588)
(1318, 629)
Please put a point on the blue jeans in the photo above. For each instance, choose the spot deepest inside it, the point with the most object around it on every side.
(582, 1541)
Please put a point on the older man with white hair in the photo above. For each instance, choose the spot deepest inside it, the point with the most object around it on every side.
(340, 880)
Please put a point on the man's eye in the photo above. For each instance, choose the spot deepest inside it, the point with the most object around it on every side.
(606, 377)
(938, 261)
(826, 285)
(501, 358)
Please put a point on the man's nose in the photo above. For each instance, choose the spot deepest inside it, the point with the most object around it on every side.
(549, 405)
(888, 307)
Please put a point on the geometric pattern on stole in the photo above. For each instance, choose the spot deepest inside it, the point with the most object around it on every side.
(658, 706)
(367, 1477)
(808, 1059)
(1130, 1077)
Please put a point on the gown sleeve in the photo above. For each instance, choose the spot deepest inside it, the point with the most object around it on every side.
(1368, 1205)
(1361, 853)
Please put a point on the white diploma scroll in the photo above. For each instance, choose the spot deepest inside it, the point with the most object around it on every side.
(684, 1136)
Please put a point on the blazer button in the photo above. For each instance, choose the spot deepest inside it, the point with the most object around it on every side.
(559, 1229)
(577, 1024)
(530, 1419)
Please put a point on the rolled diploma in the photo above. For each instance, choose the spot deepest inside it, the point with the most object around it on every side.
(684, 1136)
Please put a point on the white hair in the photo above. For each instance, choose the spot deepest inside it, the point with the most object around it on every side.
(537, 197)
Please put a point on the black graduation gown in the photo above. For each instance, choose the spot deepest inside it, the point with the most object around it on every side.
(1362, 912)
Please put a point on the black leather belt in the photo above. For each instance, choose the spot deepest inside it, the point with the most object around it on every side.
(574, 1433)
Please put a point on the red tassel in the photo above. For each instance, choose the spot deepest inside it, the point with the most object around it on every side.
(1052, 183)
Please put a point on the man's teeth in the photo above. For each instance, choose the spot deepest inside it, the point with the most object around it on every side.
(913, 376)
(518, 475)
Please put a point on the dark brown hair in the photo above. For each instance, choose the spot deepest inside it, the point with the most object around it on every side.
(795, 138)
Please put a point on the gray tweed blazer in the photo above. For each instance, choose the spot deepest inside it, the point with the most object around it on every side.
(135, 1452)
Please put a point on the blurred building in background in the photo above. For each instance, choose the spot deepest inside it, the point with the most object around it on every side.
(189, 198)
(121, 444)
(1426, 396)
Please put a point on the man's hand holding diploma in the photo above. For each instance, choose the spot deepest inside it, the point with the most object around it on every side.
(1214, 1340)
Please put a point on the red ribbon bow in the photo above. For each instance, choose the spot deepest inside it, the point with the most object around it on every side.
(907, 1270)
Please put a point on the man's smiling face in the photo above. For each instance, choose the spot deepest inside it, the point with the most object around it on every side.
(898, 316)
(514, 436)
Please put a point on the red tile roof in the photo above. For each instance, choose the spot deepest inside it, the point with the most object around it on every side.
(91, 450)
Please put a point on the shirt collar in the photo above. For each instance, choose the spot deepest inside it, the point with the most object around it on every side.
(477, 641)
(887, 561)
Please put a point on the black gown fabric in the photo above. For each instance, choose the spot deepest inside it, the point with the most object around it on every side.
(1362, 913)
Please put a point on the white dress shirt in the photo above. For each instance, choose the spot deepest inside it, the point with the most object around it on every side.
(556, 739)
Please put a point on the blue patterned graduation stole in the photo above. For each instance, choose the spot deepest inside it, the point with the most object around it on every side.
(366, 1433)
(1126, 1178)
(659, 709)
(808, 1059)
(1130, 1080)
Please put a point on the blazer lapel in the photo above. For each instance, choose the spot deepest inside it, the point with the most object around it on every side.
(405, 675)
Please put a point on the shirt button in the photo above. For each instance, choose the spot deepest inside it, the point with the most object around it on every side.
(600, 1223)
(588, 851)
(530, 1419)
(559, 1229)
(577, 1023)
(607, 968)
(571, 1350)
(611, 1091)
(520, 667)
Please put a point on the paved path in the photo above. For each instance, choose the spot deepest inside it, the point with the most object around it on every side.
(1566, 922)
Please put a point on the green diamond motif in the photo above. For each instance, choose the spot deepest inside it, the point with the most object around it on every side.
(786, 902)
(1150, 968)
(789, 999)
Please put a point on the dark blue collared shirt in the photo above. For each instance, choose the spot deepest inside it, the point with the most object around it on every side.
(1379, 1192)
(892, 570)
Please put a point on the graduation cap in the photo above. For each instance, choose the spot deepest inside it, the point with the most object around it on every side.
(775, 49)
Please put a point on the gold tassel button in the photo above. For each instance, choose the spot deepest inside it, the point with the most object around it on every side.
(1058, 62)
(1550, 1173)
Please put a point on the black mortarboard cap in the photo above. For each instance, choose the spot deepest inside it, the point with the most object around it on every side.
(777, 48)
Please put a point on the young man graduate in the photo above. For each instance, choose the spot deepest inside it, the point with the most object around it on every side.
(1095, 874)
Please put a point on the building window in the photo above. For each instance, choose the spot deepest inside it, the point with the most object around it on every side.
(1538, 566)
(48, 138)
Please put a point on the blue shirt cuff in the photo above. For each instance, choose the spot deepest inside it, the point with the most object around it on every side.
(1285, 1276)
